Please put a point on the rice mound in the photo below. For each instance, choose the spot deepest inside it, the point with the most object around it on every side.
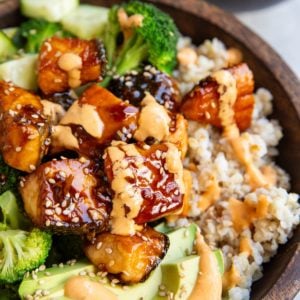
(210, 153)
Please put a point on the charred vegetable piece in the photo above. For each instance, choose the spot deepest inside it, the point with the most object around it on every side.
(94, 120)
(67, 196)
(147, 183)
(68, 63)
(202, 103)
(133, 85)
(24, 128)
(130, 258)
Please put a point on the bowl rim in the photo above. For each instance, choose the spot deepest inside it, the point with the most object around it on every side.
(288, 283)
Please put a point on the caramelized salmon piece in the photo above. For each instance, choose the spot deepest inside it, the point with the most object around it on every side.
(67, 196)
(95, 119)
(24, 128)
(130, 258)
(202, 102)
(153, 177)
(63, 59)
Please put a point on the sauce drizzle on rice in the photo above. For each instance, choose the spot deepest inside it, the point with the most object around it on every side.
(241, 148)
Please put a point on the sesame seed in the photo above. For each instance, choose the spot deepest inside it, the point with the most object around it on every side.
(57, 80)
(32, 167)
(47, 170)
(98, 246)
(128, 83)
(49, 212)
(42, 268)
(91, 274)
(47, 141)
(64, 203)
(61, 265)
(58, 210)
(115, 281)
(108, 250)
(59, 224)
(62, 174)
(77, 195)
(51, 180)
(86, 171)
(207, 115)
(48, 203)
(48, 223)
(82, 159)
(75, 220)
(18, 149)
(18, 106)
(35, 116)
(34, 276)
(163, 209)
(147, 75)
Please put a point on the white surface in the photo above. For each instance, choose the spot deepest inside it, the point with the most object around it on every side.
(279, 25)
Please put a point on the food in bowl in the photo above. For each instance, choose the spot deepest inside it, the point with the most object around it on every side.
(135, 165)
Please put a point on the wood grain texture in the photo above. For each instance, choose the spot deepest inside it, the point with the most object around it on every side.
(200, 20)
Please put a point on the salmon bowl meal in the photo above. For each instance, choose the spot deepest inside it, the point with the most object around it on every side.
(134, 163)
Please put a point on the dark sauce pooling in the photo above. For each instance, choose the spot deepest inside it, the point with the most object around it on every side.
(133, 86)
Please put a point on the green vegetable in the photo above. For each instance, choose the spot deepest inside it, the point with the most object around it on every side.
(32, 33)
(20, 250)
(154, 41)
(12, 217)
(7, 47)
(52, 11)
(8, 177)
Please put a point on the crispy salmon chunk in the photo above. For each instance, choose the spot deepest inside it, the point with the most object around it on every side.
(67, 196)
(130, 258)
(147, 183)
(66, 63)
(93, 121)
(202, 102)
(24, 128)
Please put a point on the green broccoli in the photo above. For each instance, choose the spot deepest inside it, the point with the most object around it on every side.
(32, 33)
(154, 41)
(9, 177)
(21, 250)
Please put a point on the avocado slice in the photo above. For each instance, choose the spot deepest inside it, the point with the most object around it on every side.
(181, 243)
(178, 278)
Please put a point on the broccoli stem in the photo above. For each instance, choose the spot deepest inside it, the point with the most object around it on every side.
(133, 52)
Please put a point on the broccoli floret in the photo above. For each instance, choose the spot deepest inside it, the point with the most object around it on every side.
(9, 177)
(11, 216)
(20, 250)
(154, 41)
(32, 33)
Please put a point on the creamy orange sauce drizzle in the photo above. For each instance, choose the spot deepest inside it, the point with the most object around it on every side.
(128, 23)
(62, 137)
(245, 246)
(81, 288)
(209, 281)
(211, 194)
(154, 120)
(241, 148)
(231, 278)
(85, 115)
(244, 213)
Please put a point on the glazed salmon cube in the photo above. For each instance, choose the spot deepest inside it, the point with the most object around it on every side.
(129, 258)
(154, 178)
(67, 196)
(202, 102)
(24, 128)
(66, 63)
(94, 120)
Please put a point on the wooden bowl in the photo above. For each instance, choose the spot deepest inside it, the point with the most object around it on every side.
(200, 21)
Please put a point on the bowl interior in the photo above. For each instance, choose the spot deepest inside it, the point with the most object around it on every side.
(201, 21)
